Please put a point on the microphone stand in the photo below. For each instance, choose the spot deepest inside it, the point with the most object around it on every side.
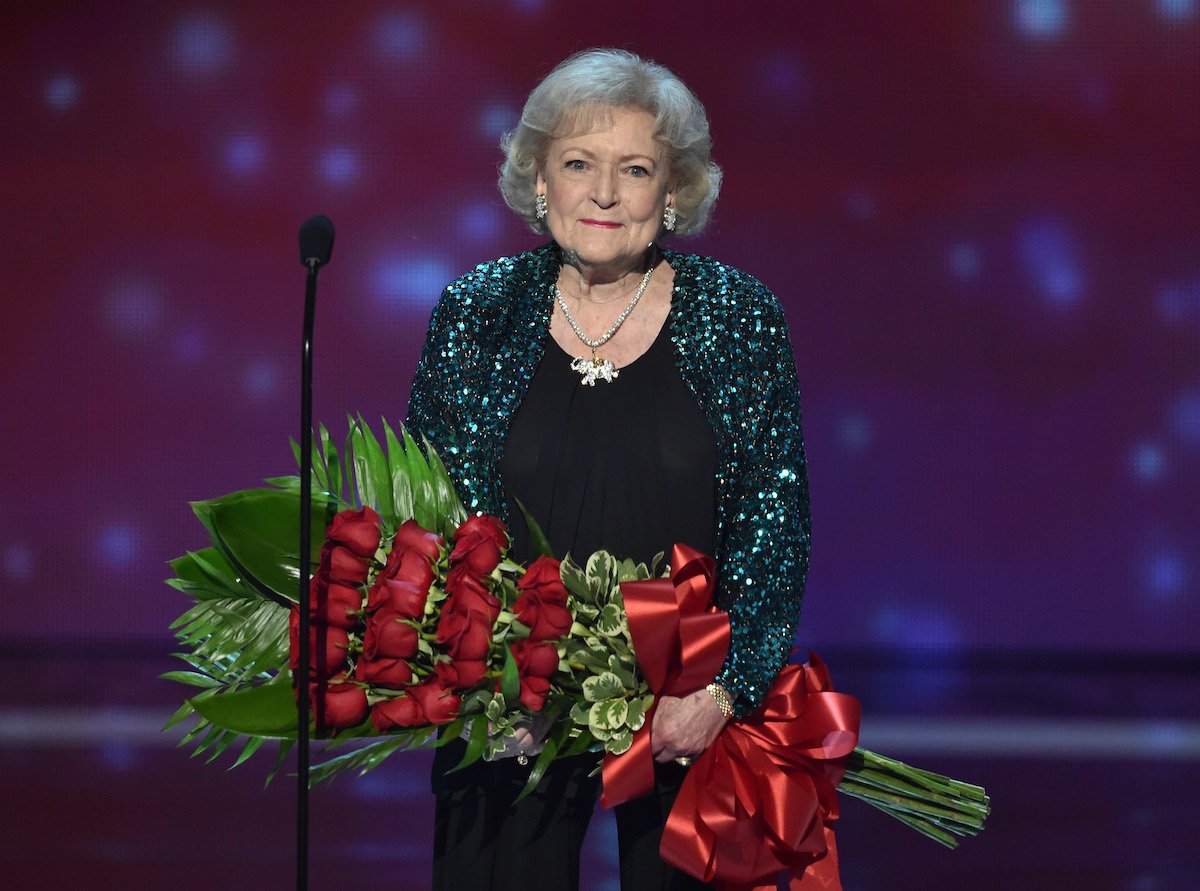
(310, 302)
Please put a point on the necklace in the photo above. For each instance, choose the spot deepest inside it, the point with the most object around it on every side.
(595, 368)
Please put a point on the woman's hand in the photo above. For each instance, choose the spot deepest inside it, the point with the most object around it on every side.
(525, 741)
(685, 727)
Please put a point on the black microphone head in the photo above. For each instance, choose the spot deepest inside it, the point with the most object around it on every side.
(316, 241)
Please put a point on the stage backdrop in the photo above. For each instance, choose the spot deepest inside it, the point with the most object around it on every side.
(982, 219)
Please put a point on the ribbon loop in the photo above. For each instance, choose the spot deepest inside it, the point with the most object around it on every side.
(759, 800)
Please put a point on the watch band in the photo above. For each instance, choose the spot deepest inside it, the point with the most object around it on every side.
(721, 696)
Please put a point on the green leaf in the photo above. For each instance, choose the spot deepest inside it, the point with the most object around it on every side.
(574, 579)
(611, 621)
(476, 743)
(605, 685)
(537, 538)
(609, 714)
(258, 531)
(267, 710)
(371, 473)
(549, 750)
(402, 494)
(192, 678)
(619, 743)
(333, 463)
(510, 678)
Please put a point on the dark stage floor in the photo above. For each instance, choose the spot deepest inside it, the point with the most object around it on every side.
(1093, 767)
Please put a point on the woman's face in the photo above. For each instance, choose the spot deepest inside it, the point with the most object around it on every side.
(606, 190)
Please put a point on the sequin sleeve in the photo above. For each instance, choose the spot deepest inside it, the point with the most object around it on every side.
(764, 524)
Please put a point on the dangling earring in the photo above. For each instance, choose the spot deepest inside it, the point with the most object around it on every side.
(669, 218)
(539, 206)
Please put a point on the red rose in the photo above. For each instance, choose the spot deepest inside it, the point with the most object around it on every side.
(402, 711)
(334, 604)
(340, 564)
(471, 594)
(485, 525)
(438, 701)
(542, 603)
(389, 636)
(395, 673)
(479, 543)
(465, 674)
(411, 536)
(342, 705)
(408, 565)
(405, 598)
(355, 530)
(327, 646)
(535, 658)
(533, 692)
(465, 635)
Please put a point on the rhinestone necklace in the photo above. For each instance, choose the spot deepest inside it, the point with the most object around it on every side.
(595, 368)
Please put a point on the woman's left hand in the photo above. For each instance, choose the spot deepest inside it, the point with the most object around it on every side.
(685, 727)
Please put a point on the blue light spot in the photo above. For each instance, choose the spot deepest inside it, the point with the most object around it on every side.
(244, 153)
(120, 757)
(202, 44)
(340, 100)
(339, 165)
(1177, 10)
(480, 222)
(261, 379)
(18, 561)
(904, 626)
(529, 5)
(1051, 259)
(1042, 19)
(190, 345)
(135, 308)
(400, 35)
(1179, 301)
(783, 75)
(963, 260)
(497, 119)
(1165, 575)
(410, 282)
(1148, 461)
(861, 203)
(854, 432)
(118, 546)
(61, 92)
(1185, 417)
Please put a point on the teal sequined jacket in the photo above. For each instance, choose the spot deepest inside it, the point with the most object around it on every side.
(485, 340)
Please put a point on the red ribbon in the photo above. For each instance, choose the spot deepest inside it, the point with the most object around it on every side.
(681, 642)
(757, 801)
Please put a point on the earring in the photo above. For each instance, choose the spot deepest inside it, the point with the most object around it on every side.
(539, 206)
(669, 218)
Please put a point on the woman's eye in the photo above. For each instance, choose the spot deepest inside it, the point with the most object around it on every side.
(577, 164)
(637, 170)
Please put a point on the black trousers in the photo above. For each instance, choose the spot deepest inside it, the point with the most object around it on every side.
(484, 839)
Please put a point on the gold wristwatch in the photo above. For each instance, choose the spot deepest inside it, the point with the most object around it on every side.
(721, 696)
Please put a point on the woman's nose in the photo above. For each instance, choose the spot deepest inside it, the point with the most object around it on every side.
(604, 188)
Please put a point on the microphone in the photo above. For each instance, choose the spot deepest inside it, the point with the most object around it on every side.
(316, 241)
(316, 246)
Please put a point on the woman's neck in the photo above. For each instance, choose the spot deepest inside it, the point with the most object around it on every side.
(601, 284)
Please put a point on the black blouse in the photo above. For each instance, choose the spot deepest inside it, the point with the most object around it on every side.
(628, 465)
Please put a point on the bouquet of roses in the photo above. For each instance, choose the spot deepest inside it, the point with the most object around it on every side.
(420, 622)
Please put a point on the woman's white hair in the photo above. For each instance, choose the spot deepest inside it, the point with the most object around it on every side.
(581, 90)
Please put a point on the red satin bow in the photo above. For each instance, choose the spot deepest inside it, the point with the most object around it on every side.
(757, 801)
(681, 642)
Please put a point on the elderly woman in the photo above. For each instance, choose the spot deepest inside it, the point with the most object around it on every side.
(630, 397)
